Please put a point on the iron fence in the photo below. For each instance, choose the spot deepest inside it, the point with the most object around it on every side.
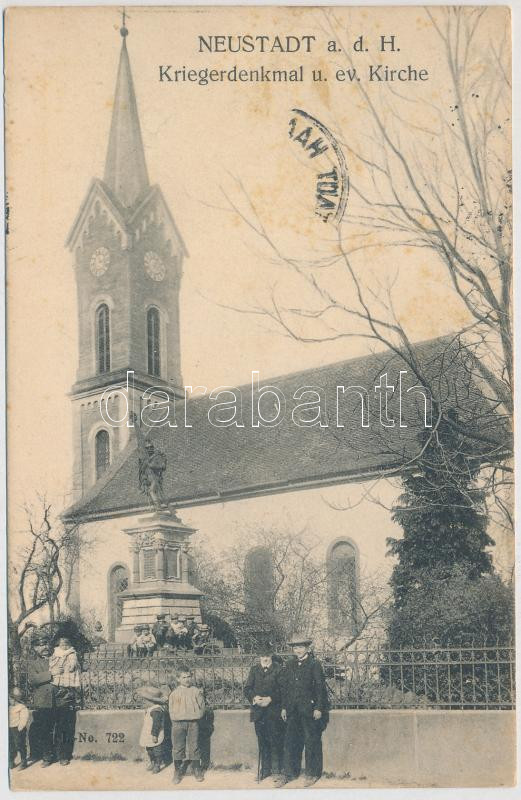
(363, 677)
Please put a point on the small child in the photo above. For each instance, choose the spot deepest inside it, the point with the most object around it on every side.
(18, 719)
(153, 730)
(134, 647)
(148, 640)
(186, 706)
(64, 665)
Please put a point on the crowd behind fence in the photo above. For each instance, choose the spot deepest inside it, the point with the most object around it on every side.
(367, 677)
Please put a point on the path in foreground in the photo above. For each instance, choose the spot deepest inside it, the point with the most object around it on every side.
(127, 775)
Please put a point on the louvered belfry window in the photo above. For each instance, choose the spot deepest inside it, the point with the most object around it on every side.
(154, 342)
(103, 338)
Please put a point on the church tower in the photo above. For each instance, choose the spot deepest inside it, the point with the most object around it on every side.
(128, 258)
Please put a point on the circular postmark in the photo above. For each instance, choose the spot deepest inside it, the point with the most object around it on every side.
(324, 155)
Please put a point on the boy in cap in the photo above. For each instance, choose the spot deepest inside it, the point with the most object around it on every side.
(148, 640)
(135, 647)
(186, 706)
(153, 728)
(191, 628)
(18, 719)
(262, 690)
(159, 629)
(305, 709)
(177, 631)
(200, 637)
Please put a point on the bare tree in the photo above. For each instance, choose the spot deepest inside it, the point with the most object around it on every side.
(41, 571)
(299, 579)
(431, 174)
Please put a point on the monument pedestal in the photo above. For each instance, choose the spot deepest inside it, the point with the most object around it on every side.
(160, 580)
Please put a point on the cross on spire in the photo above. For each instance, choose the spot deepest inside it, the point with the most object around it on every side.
(125, 168)
(123, 30)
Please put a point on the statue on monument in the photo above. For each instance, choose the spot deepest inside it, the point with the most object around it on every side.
(152, 465)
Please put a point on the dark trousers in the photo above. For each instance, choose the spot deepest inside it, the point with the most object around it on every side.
(302, 733)
(52, 733)
(270, 739)
(185, 738)
(17, 744)
(41, 734)
(64, 731)
(155, 754)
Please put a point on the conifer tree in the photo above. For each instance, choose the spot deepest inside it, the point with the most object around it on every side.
(443, 515)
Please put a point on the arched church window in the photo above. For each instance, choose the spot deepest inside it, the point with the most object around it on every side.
(103, 338)
(259, 586)
(342, 585)
(102, 447)
(118, 582)
(154, 342)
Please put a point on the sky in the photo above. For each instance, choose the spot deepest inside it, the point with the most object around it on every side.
(207, 147)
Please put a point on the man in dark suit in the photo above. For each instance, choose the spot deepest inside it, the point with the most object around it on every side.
(305, 709)
(51, 734)
(262, 689)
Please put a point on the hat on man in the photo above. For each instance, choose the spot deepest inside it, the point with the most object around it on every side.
(265, 649)
(160, 616)
(299, 638)
(40, 637)
(153, 694)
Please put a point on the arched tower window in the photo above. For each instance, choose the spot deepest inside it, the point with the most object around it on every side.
(153, 342)
(102, 448)
(342, 586)
(103, 338)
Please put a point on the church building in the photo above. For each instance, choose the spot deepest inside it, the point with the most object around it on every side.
(144, 492)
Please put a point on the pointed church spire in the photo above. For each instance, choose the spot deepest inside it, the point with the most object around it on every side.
(125, 168)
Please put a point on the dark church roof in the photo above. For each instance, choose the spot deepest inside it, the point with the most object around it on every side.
(207, 464)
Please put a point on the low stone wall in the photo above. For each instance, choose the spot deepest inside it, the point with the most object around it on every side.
(409, 747)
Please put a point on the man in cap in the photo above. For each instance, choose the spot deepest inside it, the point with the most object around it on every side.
(305, 708)
(51, 734)
(41, 733)
(262, 690)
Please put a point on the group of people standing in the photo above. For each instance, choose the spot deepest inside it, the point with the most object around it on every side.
(172, 727)
(179, 633)
(289, 707)
(54, 677)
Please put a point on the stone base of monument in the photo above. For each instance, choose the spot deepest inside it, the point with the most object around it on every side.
(160, 574)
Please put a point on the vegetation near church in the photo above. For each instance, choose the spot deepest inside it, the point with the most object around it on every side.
(444, 585)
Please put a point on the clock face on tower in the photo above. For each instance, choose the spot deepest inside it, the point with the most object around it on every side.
(99, 261)
(154, 267)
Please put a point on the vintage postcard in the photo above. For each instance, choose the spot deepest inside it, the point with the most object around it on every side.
(260, 358)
